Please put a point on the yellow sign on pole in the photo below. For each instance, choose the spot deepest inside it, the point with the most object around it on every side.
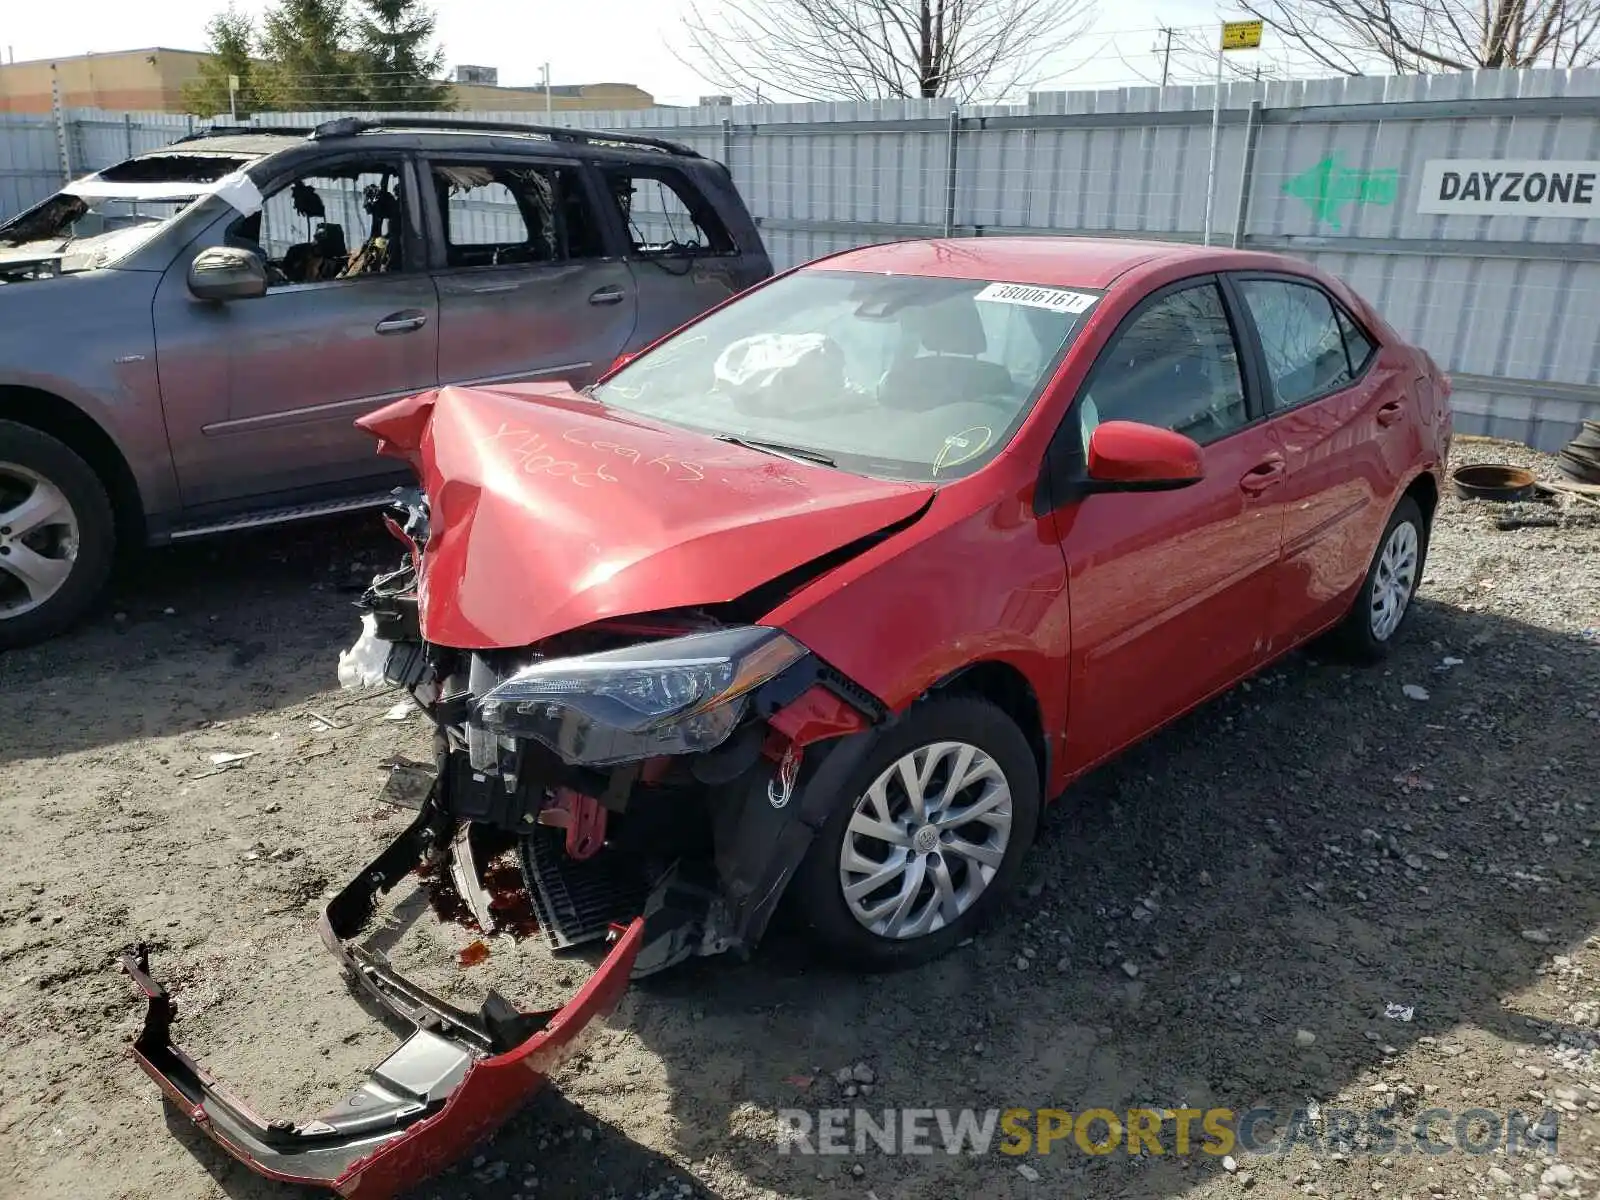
(1241, 35)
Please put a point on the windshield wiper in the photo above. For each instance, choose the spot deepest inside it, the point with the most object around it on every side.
(795, 453)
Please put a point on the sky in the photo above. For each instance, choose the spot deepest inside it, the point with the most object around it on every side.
(618, 41)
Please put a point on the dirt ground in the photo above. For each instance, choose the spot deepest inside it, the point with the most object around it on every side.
(1218, 919)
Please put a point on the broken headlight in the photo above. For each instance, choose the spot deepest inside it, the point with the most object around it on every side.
(679, 696)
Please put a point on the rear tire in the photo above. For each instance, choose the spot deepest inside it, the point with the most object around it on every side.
(58, 538)
(942, 876)
(1383, 604)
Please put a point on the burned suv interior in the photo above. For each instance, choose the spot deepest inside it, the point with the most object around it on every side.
(338, 223)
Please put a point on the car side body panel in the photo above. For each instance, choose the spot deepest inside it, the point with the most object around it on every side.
(104, 363)
(1345, 469)
(966, 584)
(1170, 595)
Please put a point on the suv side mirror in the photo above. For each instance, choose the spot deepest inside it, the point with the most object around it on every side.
(1125, 456)
(227, 273)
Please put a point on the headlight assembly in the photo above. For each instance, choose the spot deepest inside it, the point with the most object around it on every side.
(679, 696)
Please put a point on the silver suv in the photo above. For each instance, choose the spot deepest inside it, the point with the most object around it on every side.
(187, 337)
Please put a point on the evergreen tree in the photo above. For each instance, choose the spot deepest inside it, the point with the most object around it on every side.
(230, 38)
(399, 67)
(310, 68)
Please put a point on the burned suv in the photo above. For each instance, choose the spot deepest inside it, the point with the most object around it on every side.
(187, 338)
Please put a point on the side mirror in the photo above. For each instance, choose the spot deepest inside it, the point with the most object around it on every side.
(1125, 456)
(227, 273)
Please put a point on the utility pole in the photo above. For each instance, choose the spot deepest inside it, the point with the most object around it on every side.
(1166, 55)
(547, 93)
(63, 140)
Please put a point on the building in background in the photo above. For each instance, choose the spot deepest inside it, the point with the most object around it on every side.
(152, 80)
(148, 80)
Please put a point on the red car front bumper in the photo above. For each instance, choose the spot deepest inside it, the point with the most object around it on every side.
(450, 1084)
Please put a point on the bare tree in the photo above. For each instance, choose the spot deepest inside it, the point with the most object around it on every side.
(877, 49)
(1360, 37)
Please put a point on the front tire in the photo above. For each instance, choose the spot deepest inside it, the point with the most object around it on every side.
(1384, 601)
(57, 536)
(927, 839)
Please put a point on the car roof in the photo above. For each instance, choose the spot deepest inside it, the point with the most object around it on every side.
(1044, 261)
(245, 145)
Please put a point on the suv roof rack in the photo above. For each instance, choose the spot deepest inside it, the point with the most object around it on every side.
(350, 126)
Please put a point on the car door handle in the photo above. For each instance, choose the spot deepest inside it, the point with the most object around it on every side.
(1266, 473)
(401, 322)
(607, 296)
(1391, 412)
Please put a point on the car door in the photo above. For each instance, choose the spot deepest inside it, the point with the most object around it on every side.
(528, 285)
(260, 394)
(1170, 590)
(1340, 413)
(684, 260)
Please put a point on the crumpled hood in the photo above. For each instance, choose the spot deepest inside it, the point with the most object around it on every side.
(549, 511)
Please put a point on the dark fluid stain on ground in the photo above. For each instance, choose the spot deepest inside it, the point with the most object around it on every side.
(473, 954)
(446, 902)
(508, 899)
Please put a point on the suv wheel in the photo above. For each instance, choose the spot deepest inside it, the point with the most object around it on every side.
(57, 535)
(930, 839)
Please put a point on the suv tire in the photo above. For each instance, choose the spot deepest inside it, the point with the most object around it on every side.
(57, 550)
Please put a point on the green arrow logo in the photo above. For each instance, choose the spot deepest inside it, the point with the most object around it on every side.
(1327, 187)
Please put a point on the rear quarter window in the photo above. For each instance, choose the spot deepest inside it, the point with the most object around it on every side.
(664, 213)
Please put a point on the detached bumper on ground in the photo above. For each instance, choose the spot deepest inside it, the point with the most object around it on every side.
(451, 1083)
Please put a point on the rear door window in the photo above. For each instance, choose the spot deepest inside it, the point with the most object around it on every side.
(664, 213)
(1311, 348)
(514, 213)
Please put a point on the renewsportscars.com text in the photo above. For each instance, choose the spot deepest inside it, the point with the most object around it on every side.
(1180, 1131)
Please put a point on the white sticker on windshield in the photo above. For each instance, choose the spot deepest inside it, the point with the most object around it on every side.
(1054, 299)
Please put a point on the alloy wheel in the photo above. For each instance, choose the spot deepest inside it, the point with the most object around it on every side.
(925, 840)
(38, 540)
(1395, 580)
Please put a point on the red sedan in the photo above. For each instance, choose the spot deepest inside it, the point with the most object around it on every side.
(818, 599)
(1015, 503)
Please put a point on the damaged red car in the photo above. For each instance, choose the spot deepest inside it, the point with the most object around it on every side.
(815, 601)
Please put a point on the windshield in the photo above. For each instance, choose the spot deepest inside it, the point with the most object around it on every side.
(102, 218)
(895, 376)
(81, 234)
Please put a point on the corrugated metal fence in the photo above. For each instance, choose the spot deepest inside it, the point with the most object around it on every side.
(1332, 170)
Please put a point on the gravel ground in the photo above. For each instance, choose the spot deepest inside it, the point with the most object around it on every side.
(1219, 918)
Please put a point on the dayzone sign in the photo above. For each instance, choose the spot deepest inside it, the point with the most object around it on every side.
(1501, 188)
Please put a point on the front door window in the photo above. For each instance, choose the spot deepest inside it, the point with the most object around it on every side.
(335, 222)
(1175, 365)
